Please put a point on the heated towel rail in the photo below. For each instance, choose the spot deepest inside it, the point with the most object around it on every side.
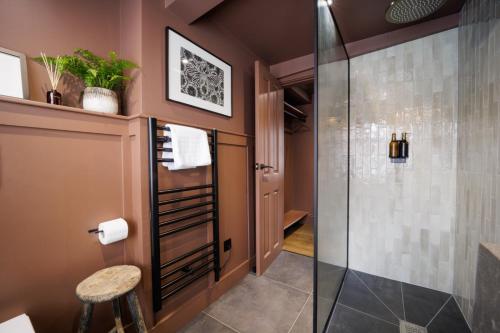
(171, 276)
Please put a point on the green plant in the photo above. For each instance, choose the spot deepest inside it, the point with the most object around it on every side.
(94, 70)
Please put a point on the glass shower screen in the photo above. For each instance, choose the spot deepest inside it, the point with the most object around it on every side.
(332, 165)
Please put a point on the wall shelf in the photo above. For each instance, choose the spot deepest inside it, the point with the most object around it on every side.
(293, 216)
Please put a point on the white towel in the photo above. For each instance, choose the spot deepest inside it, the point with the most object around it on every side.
(189, 147)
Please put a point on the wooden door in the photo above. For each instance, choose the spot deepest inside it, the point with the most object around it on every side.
(269, 167)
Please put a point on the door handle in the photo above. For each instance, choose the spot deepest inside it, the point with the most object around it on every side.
(260, 166)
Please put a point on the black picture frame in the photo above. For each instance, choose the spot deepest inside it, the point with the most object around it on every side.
(169, 85)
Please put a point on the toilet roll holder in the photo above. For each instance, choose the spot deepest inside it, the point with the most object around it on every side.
(94, 231)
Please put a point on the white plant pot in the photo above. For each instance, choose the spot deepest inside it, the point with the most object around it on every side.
(100, 100)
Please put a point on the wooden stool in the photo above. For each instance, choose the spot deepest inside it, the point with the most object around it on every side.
(108, 285)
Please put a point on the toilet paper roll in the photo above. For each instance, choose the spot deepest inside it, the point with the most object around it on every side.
(112, 231)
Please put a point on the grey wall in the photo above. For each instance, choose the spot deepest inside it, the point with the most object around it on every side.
(478, 182)
(402, 216)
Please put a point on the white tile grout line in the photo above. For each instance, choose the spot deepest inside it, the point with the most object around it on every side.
(286, 284)
(403, 300)
(367, 314)
(363, 282)
(440, 309)
(221, 322)
(460, 308)
(300, 312)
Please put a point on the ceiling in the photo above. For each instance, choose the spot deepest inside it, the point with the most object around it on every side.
(360, 19)
(280, 30)
(276, 30)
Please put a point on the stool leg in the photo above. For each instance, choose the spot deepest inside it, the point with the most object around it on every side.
(118, 316)
(85, 317)
(135, 310)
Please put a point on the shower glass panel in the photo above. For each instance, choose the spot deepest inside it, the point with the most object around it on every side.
(332, 151)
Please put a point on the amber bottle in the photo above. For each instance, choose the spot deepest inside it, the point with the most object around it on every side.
(403, 147)
(394, 147)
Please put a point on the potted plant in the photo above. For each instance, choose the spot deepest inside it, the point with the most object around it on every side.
(102, 78)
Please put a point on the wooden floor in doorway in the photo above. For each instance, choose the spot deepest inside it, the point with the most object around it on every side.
(299, 239)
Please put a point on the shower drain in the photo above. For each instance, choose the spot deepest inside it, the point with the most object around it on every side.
(406, 327)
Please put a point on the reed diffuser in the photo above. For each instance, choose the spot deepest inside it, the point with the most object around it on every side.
(54, 70)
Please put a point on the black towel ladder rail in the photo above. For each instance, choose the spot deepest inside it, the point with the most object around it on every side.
(172, 276)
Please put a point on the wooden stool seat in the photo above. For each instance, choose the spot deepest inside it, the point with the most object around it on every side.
(108, 283)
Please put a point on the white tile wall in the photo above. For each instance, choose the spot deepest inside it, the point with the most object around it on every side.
(478, 182)
(402, 216)
(333, 133)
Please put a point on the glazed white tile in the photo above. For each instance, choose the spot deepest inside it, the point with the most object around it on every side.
(478, 191)
(402, 215)
(332, 162)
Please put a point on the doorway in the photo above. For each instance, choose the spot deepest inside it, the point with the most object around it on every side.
(284, 167)
(299, 169)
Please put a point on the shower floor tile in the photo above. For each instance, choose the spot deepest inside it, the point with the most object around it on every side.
(356, 295)
(367, 303)
(422, 304)
(388, 291)
(348, 320)
(449, 319)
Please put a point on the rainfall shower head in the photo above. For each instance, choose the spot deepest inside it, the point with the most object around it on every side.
(405, 11)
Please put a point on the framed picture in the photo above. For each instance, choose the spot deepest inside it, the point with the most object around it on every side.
(196, 77)
(14, 78)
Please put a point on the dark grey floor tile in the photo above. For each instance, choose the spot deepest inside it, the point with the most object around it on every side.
(304, 323)
(259, 304)
(204, 324)
(329, 283)
(345, 320)
(324, 307)
(422, 304)
(329, 279)
(389, 291)
(449, 320)
(292, 269)
(356, 295)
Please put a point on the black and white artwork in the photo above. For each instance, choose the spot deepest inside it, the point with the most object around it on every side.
(196, 77)
(201, 79)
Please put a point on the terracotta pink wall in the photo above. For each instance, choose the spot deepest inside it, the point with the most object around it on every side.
(299, 164)
(84, 168)
(236, 155)
(135, 28)
(208, 35)
(61, 173)
(58, 27)
(131, 48)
